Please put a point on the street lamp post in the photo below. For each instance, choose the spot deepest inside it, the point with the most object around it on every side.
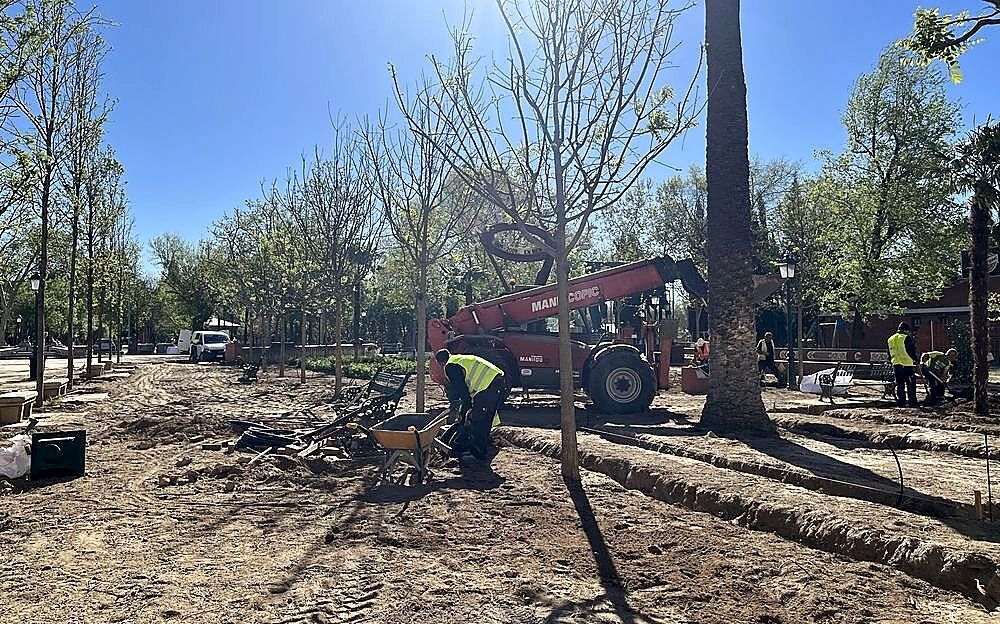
(37, 368)
(787, 271)
(17, 337)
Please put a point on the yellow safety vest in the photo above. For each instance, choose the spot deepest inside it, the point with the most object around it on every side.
(937, 361)
(897, 350)
(479, 373)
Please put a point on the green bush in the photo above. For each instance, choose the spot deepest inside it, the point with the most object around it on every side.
(361, 368)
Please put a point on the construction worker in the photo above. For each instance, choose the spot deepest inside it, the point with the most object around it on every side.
(903, 355)
(765, 359)
(936, 367)
(474, 387)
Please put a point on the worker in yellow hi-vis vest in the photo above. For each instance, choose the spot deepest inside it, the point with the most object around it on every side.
(474, 387)
(903, 354)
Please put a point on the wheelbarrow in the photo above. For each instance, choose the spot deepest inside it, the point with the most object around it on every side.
(410, 439)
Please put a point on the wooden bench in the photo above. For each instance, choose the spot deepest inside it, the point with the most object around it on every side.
(15, 406)
(53, 388)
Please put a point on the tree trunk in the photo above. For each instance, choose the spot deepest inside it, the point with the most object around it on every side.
(567, 407)
(857, 328)
(90, 285)
(734, 402)
(979, 217)
(71, 304)
(101, 314)
(302, 349)
(265, 340)
(281, 348)
(338, 335)
(43, 267)
(421, 346)
(357, 318)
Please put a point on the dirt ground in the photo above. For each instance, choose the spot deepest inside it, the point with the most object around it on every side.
(162, 530)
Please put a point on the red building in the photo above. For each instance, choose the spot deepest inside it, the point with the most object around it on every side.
(929, 318)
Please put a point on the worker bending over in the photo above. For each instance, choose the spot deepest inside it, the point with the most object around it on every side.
(474, 387)
(936, 367)
(903, 355)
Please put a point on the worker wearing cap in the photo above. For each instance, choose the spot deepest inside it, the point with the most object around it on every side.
(903, 355)
(936, 367)
(474, 386)
(765, 358)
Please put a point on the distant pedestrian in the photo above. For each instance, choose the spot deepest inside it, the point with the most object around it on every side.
(765, 359)
(903, 355)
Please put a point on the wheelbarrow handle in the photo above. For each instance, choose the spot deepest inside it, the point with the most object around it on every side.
(359, 427)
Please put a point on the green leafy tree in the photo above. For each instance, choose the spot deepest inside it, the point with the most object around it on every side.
(889, 193)
(680, 226)
(937, 37)
(946, 38)
(186, 270)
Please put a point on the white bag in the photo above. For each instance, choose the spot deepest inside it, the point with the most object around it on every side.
(810, 383)
(15, 460)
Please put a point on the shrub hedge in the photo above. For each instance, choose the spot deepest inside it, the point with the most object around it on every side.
(363, 367)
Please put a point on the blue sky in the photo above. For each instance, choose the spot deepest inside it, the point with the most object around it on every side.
(215, 96)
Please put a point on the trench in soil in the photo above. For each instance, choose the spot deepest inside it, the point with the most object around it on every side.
(922, 547)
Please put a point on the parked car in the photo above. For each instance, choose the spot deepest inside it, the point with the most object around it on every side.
(208, 345)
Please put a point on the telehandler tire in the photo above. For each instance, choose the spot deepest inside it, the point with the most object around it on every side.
(621, 383)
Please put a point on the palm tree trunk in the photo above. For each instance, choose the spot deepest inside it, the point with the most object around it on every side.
(979, 217)
(734, 402)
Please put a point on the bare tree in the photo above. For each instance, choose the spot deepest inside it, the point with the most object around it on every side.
(105, 195)
(561, 128)
(427, 206)
(20, 39)
(40, 99)
(332, 218)
(83, 134)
